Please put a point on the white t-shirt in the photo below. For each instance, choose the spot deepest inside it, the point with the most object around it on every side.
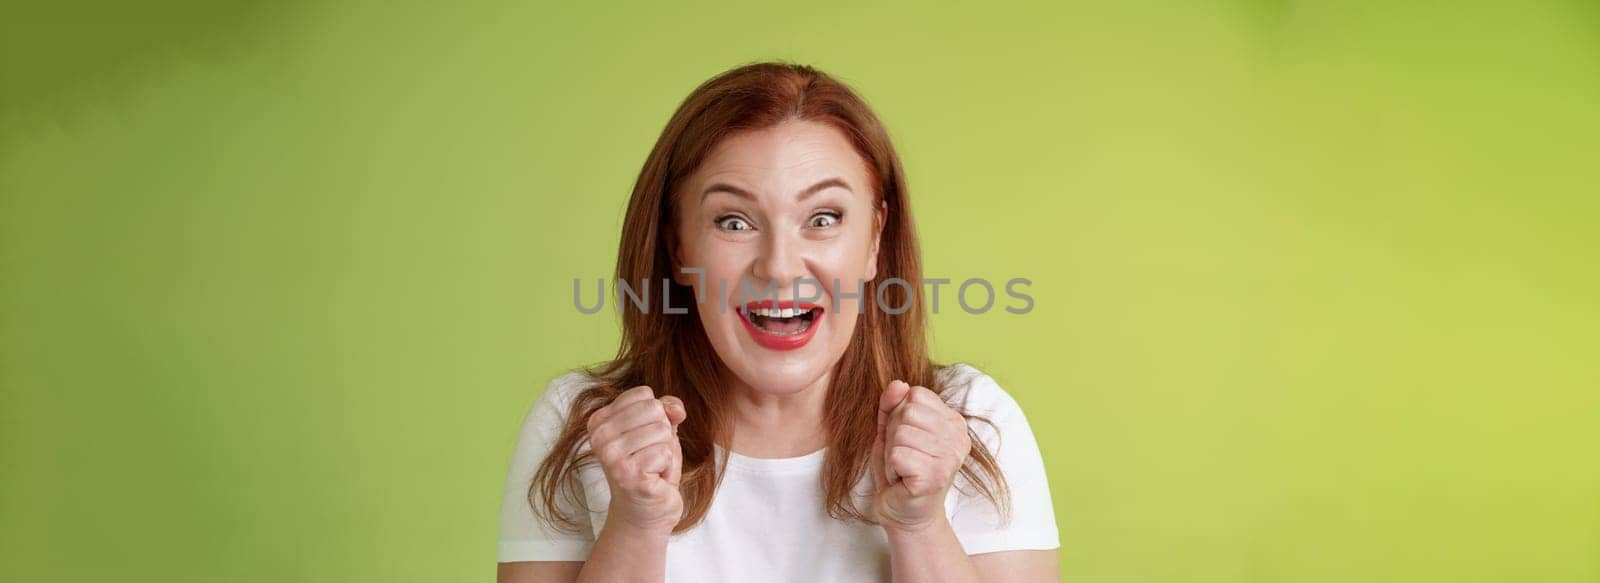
(767, 521)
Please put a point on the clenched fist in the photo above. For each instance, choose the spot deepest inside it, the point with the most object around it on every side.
(635, 438)
(921, 445)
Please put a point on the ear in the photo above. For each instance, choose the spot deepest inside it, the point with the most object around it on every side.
(877, 237)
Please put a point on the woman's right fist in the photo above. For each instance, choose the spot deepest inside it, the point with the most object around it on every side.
(635, 438)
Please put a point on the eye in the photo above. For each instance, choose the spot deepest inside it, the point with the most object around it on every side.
(824, 219)
(733, 223)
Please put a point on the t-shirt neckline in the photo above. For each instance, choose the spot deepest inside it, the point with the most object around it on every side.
(783, 465)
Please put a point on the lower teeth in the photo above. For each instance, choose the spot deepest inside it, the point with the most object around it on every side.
(804, 325)
(801, 328)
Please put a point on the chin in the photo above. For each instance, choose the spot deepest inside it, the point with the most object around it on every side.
(774, 372)
(777, 352)
(780, 378)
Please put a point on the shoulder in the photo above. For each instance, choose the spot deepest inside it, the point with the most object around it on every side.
(992, 412)
(1007, 506)
(548, 418)
(566, 386)
(554, 404)
(967, 389)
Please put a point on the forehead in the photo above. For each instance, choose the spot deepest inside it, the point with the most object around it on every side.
(781, 156)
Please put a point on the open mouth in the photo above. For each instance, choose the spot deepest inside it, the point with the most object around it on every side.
(784, 325)
(782, 321)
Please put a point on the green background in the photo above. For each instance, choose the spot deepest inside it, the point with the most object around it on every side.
(1315, 280)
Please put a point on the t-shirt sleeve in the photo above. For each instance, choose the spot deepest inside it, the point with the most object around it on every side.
(975, 520)
(524, 536)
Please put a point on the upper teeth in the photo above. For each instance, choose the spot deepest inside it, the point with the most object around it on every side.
(779, 312)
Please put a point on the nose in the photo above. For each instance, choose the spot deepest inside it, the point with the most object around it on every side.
(781, 261)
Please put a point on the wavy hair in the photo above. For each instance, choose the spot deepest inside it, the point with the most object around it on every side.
(671, 353)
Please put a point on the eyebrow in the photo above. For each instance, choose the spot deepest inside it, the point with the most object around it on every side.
(802, 195)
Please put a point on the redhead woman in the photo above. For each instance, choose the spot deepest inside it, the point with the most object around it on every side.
(773, 413)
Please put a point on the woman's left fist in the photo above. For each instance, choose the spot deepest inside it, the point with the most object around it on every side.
(921, 445)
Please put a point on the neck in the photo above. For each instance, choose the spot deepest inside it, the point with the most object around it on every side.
(769, 425)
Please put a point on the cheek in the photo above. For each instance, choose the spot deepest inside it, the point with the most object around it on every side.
(845, 258)
(721, 260)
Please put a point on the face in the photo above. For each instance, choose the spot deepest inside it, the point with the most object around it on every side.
(767, 209)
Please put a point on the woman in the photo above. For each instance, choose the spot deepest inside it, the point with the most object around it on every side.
(752, 428)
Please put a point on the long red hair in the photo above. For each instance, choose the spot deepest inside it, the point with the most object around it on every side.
(671, 354)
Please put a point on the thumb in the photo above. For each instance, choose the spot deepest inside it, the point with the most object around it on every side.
(879, 478)
(892, 396)
(676, 412)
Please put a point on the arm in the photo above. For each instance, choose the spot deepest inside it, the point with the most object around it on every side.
(920, 446)
(929, 552)
(620, 555)
(635, 440)
(932, 553)
(624, 554)
(538, 572)
(1018, 566)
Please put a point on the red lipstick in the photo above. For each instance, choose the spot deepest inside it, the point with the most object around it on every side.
(770, 329)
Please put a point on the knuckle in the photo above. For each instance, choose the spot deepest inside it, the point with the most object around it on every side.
(611, 452)
(918, 435)
(636, 486)
(645, 453)
(649, 488)
(900, 456)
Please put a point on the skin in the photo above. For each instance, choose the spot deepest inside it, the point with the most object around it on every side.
(770, 207)
(786, 229)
